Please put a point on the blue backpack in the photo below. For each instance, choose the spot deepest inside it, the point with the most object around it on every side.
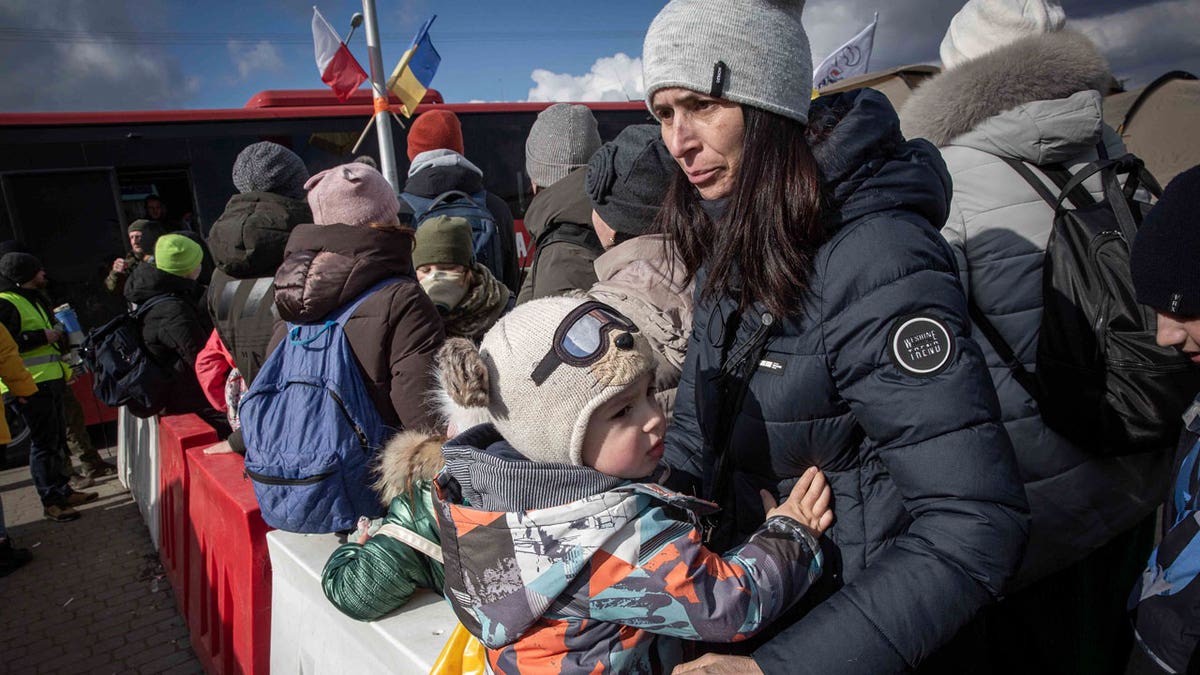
(1166, 600)
(472, 207)
(311, 430)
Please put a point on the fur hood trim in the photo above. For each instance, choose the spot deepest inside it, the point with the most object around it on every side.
(1036, 68)
(409, 456)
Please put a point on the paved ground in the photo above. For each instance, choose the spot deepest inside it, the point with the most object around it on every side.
(94, 599)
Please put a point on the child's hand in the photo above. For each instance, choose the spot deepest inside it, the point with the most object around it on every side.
(808, 502)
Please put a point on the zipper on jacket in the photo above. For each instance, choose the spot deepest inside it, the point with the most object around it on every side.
(272, 480)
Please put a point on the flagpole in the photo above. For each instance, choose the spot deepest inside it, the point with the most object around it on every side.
(874, 26)
(387, 153)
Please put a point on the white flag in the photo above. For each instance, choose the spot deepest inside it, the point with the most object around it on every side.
(848, 60)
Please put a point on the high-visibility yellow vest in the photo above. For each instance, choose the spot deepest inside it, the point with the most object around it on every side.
(44, 363)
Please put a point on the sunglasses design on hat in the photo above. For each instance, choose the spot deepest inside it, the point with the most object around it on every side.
(581, 339)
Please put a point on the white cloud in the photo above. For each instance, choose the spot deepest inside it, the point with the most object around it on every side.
(611, 78)
(249, 58)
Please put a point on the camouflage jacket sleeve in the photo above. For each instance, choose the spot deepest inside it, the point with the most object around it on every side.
(679, 588)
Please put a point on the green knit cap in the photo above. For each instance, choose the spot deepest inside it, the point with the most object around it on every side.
(444, 240)
(176, 254)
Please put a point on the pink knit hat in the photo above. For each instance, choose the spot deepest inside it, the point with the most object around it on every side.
(351, 194)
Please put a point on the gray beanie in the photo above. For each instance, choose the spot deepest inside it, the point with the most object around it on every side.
(562, 139)
(753, 52)
(982, 26)
(543, 412)
(628, 178)
(270, 167)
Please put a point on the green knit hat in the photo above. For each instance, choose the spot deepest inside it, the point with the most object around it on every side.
(444, 240)
(176, 254)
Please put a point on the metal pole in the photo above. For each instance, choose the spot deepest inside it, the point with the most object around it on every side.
(874, 26)
(383, 124)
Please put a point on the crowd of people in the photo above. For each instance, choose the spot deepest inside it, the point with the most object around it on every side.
(739, 414)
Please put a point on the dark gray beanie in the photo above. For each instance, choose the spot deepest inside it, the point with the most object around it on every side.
(628, 177)
(1166, 275)
(19, 267)
(761, 44)
(270, 167)
(562, 139)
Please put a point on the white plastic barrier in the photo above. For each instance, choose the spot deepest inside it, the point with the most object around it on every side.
(137, 465)
(309, 635)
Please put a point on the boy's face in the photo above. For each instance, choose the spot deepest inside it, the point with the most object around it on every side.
(1181, 332)
(624, 438)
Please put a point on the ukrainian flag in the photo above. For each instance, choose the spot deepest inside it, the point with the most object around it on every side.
(415, 71)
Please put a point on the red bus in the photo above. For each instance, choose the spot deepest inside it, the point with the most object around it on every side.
(71, 182)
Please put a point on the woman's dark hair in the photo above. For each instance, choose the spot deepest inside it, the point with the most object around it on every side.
(763, 247)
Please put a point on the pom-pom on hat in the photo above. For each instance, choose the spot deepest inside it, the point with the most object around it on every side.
(177, 254)
(542, 371)
(562, 139)
(19, 267)
(435, 130)
(628, 177)
(753, 52)
(1165, 261)
(982, 26)
(269, 167)
(352, 194)
(444, 240)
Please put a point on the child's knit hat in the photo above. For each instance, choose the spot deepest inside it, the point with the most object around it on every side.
(1166, 275)
(542, 371)
(352, 194)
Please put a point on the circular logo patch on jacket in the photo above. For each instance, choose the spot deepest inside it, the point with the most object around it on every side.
(920, 345)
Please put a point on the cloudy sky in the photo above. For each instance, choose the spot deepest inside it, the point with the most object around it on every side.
(168, 54)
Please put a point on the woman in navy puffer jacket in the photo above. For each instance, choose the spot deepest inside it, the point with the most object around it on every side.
(830, 329)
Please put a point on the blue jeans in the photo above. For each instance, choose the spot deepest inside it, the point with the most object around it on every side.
(43, 412)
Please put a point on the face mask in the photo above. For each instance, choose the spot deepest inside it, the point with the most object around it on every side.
(446, 289)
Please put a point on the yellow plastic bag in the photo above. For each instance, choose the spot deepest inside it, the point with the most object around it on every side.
(462, 655)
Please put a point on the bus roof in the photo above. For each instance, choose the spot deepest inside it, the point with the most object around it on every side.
(281, 104)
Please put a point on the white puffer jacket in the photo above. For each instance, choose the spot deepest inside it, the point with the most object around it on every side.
(1035, 100)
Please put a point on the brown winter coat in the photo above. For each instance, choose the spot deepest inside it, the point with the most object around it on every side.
(393, 334)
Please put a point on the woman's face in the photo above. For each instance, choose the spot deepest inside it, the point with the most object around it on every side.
(704, 134)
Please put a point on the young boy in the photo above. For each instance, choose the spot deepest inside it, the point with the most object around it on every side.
(557, 557)
(1166, 601)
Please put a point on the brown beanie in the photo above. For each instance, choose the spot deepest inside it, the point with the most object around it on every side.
(435, 130)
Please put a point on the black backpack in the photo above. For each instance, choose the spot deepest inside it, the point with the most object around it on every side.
(488, 251)
(1101, 381)
(125, 372)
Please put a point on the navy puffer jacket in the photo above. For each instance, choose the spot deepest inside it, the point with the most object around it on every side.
(878, 382)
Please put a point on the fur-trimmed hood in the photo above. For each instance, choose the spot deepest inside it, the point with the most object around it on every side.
(1036, 68)
(409, 456)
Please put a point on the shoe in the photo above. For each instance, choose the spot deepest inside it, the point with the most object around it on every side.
(60, 514)
(79, 481)
(99, 469)
(81, 498)
(12, 558)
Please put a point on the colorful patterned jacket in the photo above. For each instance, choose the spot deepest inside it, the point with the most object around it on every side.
(560, 568)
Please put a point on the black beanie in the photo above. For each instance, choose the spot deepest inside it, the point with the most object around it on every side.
(628, 177)
(1166, 253)
(13, 246)
(19, 267)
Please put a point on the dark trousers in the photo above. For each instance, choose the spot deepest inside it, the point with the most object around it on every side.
(43, 412)
(1073, 621)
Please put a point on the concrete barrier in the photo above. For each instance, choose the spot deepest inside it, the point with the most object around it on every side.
(309, 635)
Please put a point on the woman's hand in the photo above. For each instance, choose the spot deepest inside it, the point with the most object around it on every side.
(719, 664)
(218, 449)
(808, 502)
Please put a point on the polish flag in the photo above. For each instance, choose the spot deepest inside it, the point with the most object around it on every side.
(337, 65)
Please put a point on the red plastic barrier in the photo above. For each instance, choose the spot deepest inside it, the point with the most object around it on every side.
(229, 568)
(94, 411)
(175, 435)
